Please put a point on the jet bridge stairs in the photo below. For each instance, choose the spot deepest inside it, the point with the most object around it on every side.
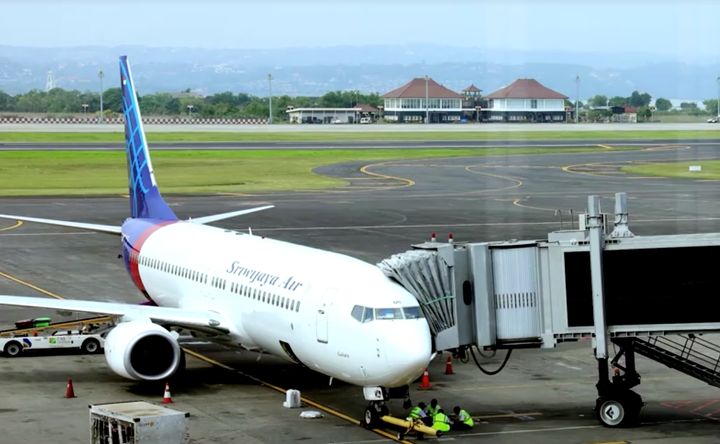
(689, 354)
(651, 295)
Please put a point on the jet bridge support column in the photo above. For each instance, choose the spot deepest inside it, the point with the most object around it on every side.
(596, 274)
(616, 405)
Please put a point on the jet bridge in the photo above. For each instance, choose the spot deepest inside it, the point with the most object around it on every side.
(654, 295)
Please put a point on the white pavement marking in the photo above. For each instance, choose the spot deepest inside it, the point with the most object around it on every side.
(49, 234)
(571, 367)
(510, 432)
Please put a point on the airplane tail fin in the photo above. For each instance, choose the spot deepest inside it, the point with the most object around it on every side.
(145, 199)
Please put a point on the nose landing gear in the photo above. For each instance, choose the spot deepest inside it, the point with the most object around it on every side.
(377, 407)
(373, 412)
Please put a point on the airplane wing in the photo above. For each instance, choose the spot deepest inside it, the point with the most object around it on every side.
(216, 217)
(201, 320)
(112, 229)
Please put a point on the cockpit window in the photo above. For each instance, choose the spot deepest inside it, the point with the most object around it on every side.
(367, 314)
(388, 313)
(357, 312)
(412, 312)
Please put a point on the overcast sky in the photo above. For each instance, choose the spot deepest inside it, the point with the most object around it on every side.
(680, 29)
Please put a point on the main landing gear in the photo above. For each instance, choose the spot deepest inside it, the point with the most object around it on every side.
(377, 407)
(617, 405)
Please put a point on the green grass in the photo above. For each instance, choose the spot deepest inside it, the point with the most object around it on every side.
(370, 136)
(45, 173)
(710, 169)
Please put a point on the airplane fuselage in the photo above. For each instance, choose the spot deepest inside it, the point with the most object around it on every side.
(330, 312)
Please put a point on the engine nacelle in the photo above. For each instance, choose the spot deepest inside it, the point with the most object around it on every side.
(142, 351)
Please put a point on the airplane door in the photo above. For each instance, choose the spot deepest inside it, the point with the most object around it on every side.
(321, 319)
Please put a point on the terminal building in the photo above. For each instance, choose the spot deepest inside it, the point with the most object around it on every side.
(525, 100)
(360, 113)
(420, 97)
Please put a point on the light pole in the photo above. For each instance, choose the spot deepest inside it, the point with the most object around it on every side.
(84, 107)
(100, 76)
(190, 108)
(427, 102)
(718, 102)
(270, 98)
(577, 97)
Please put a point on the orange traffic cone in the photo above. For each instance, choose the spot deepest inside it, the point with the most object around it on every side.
(448, 366)
(167, 398)
(425, 381)
(69, 390)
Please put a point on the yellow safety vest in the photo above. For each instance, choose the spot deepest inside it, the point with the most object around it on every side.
(465, 417)
(416, 413)
(441, 422)
(432, 411)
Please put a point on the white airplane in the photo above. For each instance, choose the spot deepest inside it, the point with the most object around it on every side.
(329, 312)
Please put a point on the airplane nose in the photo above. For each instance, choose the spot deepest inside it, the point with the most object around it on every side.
(409, 350)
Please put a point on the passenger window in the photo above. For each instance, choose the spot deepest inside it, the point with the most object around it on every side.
(357, 313)
(297, 306)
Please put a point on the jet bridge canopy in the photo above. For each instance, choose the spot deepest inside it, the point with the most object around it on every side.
(539, 292)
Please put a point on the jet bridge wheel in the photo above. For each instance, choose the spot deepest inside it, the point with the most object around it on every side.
(618, 410)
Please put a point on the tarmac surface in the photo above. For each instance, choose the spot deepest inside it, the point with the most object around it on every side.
(542, 395)
(428, 144)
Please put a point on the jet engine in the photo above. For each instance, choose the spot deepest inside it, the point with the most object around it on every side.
(142, 351)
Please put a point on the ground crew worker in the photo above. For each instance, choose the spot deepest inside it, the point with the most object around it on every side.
(441, 422)
(418, 413)
(433, 408)
(463, 420)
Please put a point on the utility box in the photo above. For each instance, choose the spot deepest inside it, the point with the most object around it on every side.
(137, 423)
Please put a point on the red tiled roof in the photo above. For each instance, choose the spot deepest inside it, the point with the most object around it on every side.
(472, 88)
(630, 109)
(416, 89)
(365, 108)
(526, 89)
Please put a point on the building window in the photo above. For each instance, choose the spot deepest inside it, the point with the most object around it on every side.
(533, 103)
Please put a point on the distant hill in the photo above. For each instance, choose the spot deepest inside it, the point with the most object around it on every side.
(315, 71)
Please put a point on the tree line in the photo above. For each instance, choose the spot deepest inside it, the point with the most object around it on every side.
(641, 101)
(225, 104)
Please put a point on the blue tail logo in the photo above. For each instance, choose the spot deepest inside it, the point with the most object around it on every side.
(145, 199)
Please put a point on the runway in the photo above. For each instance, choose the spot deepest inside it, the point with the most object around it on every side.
(361, 144)
(542, 396)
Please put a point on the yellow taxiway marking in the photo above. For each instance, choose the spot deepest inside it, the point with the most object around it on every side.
(607, 147)
(17, 224)
(29, 285)
(518, 183)
(278, 389)
(517, 203)
(214, 362)
(365, 170)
